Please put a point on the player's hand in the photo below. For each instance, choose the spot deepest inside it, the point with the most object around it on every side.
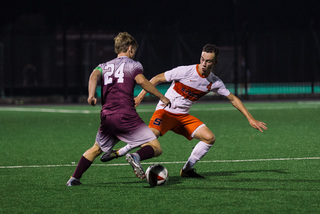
(258, 125)
(137, 101)
(166, 102)
(92, 101)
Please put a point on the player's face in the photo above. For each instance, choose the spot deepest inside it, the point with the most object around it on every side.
(207, 62)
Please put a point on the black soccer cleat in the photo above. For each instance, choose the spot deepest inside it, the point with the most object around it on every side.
(191, 173)
(73, 182)
(110, 155)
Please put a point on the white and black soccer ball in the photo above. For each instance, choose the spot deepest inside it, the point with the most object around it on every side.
(157, 175)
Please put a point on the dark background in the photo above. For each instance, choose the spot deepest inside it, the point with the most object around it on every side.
(51, 47)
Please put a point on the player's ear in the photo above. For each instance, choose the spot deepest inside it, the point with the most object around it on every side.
(130, 49)
(216, 61)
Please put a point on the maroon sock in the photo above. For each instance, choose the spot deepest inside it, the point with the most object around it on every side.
(145, 152)
(83, 165)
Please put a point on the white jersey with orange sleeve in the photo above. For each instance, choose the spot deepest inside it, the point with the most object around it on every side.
(188, 86)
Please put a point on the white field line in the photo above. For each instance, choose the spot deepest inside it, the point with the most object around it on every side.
(19, 109)
(174, 162)
(195, 109)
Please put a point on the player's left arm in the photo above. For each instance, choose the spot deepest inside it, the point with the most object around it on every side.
(160, 78)
(150, 88)
(236, 102)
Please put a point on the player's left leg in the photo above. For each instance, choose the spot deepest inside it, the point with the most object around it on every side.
(207, 139)
(115, 153)
(84, 163)
(93, 152)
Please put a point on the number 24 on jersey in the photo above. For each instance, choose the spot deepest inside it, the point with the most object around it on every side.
(112, 74)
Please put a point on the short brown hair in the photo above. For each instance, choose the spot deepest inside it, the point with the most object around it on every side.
(210, 48)
(122, 42)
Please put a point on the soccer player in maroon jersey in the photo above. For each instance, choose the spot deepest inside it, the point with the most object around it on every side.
(119, 119)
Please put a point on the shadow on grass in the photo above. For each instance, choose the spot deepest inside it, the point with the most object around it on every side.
(213, 182)
(173, 180)
(232, 173)
(272, 184)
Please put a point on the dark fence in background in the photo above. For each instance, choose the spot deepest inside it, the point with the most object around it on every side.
(40, 62)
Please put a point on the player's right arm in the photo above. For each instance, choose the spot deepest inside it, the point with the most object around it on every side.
(92, 86)
(160, 78)
(149, 87)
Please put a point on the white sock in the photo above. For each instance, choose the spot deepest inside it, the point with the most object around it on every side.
(124, 150)
(197, 153)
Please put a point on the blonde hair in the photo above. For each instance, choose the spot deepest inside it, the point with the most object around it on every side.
(122, 42)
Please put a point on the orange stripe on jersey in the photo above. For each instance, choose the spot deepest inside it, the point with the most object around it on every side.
(188, 92)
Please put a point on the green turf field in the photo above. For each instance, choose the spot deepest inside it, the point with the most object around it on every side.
(245, 171)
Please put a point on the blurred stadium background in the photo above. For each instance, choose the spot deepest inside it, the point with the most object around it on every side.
(269, 49)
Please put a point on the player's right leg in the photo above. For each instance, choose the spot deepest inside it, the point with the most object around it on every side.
(207, 139)
(148, 150)
(146, 154)
(154, 144)
(157, 126)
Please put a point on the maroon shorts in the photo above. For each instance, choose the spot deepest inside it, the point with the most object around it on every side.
(128, 128)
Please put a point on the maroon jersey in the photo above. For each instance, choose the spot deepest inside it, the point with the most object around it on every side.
(118, 82)
(119, 119)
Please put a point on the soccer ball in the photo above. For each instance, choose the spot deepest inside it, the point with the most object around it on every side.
(157, 175)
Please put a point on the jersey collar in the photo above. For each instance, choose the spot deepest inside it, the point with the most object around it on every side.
(202, 76)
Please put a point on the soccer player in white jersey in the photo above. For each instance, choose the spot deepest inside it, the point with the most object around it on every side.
(189, 84)
(119, 119)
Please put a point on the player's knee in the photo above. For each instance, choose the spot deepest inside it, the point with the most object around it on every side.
(157, 151)
(156, 148)
(155, 144)
(95, 150)
(209, 138)
(92, 153)
(156, 132)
